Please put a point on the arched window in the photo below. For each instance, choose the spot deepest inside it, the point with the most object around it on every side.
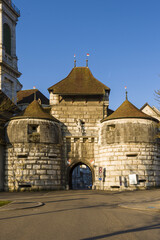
(7, 38)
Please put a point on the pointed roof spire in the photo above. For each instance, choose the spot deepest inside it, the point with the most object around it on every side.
(74, 60)
(87, 59)
(86, 62)
(34, 92)
(126, 93)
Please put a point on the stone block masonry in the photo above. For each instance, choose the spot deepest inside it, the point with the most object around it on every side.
(128, 163)
(2, 172)
(40, 167)
(78, 118)
(123, 152)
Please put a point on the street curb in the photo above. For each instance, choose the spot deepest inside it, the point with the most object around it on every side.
(150, 208)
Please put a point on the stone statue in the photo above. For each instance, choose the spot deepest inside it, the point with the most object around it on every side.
(80, 124)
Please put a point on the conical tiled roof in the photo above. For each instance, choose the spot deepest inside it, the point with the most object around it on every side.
(80, 81)
(35, 110)
(128, 110)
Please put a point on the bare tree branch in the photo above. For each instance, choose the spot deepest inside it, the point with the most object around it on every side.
(157, 95)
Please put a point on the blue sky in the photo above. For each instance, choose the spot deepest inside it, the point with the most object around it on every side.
(121, 36)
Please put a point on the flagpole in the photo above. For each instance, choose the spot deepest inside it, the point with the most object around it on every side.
(34, 93)
(126, 93)
(74, 60)
(87, 59)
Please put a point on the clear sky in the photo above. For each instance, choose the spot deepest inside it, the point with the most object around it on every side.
(121, 36)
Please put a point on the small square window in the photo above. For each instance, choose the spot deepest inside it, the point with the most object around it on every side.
(33, 128)
(111, 127)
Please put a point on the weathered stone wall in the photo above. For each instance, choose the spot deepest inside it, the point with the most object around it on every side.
(33, 155)
(80, 150)
(25, 130)
(128, 131)
(1, 167)
(128, 146)
(34, 166)
(120, 160)
(79, 116)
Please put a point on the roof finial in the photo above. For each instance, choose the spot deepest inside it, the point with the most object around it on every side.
(74, 60)
(126, 93)
(87, 60)
(34, 93)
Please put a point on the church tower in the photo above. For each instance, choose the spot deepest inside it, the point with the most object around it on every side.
(9, 73)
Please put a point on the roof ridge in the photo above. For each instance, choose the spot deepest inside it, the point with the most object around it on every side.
(29, 89)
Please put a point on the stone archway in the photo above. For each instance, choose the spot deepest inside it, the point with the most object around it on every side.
(73, 166)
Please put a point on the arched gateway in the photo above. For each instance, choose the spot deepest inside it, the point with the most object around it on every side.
(86, 169)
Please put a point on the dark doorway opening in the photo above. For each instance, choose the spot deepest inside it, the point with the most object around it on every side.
(81, 177)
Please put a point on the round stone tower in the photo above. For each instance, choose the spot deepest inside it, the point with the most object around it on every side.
(33, 153)
(129, 149)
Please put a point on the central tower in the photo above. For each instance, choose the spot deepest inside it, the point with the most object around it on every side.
(9, 73)
(79, 102)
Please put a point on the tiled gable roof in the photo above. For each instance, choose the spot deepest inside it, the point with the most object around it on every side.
(27, 96)
(80, 81)
(153, 109)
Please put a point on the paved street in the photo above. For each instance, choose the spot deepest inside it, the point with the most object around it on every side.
(82, 215)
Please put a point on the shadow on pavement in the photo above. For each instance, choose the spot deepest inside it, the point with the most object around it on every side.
(62, 210)
(145, 228)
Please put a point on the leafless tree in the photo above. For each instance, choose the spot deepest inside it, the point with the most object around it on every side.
(157, 96)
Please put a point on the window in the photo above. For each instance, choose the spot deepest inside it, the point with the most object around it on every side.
(110, 127)
(33, 133)
(33, 128)
(7, 38)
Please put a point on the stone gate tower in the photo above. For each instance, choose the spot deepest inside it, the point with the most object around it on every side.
(9, 73)
(79, 102)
